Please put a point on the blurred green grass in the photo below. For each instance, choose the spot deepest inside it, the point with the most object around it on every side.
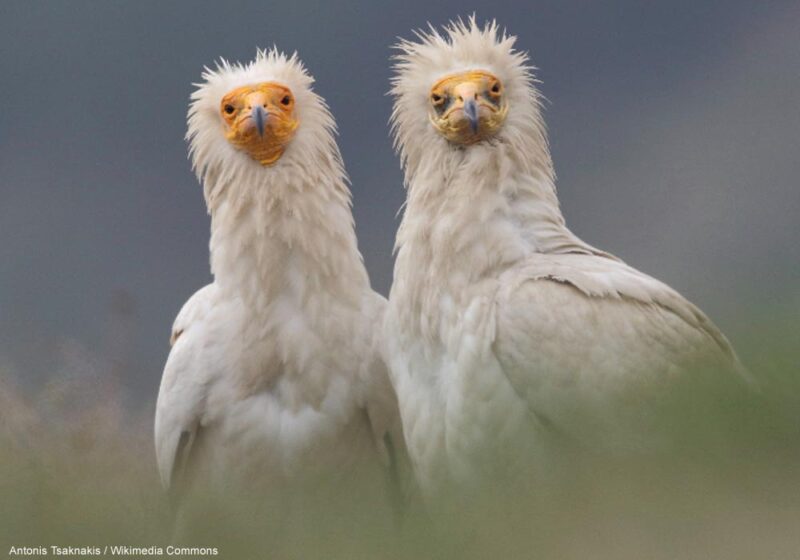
(77, 467)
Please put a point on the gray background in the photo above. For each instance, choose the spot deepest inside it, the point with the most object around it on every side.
(673, 125)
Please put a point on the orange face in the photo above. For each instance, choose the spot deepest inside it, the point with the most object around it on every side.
(260, 120)
(468, 107)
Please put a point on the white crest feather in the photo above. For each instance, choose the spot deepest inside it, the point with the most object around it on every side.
(301, 201)
(313, 149)
(465, 46)
(514, 164)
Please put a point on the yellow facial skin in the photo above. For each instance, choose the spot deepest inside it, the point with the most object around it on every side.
(468, 107)
(260, 120)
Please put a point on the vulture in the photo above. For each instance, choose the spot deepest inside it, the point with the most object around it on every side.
(504, 330)
(274, 381)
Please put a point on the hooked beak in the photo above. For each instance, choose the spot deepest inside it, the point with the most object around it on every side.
(471, 112)
(259, 118)
(468, 107)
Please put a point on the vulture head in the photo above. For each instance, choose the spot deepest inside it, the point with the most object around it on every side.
(260, 124)
(464, 88)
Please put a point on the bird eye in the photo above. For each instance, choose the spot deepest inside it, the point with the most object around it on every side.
(229, 109)
(286, 100)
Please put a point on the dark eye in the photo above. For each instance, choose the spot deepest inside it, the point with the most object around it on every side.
(436, 98)
(229, 109)
(286, 100)
(496, 88)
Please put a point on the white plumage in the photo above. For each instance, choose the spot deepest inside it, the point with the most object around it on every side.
(275, 375)
(502, 325)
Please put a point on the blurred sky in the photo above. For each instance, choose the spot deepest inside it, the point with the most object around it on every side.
(674, 129)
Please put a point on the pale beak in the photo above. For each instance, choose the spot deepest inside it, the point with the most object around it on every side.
(260, 118)
(471, 112)
(467, 93)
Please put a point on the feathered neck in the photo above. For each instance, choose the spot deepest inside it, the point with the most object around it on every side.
(471, 214)
(486, 207)
(284, 232)
(473, 210)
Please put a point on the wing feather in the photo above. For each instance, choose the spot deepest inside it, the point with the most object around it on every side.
(382, 410)
(586, 340)
(181, 398)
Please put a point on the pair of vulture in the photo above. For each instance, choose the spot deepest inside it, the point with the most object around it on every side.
(501, 329)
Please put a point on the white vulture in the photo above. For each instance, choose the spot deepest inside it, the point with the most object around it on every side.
(275, 377)
(503, 327)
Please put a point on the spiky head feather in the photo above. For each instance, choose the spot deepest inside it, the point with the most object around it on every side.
(293, 214)
(464, 46)
(312, 154)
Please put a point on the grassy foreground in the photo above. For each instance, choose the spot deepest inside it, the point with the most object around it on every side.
(77, 468)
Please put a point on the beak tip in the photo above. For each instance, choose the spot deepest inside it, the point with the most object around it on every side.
(260, 117)
(471, 111)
